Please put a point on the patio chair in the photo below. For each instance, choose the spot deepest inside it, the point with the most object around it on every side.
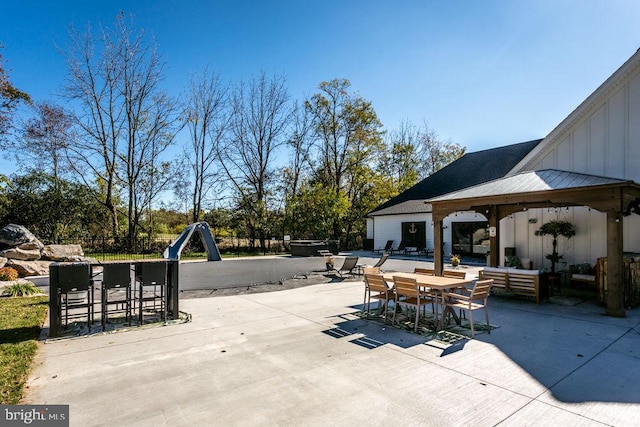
(454, 274)
(370, 270)
(428, 272)
(349, 264)
(376, 287)
(469, 301)
(407, 292)
(386, 248)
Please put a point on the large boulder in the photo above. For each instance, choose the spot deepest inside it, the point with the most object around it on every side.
(30, 268)
(3, 261)
(62, 252)
(21, 254)
(14, 235)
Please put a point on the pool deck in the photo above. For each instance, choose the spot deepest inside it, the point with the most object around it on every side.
(302, 357)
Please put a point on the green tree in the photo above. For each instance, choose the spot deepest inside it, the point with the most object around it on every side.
(4, 199)
(220, 221)
(348, 139)
(167, 221)
(54, 209)
(314, 209)
(295, 173)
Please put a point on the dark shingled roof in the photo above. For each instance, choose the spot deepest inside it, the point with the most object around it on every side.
(471, 169)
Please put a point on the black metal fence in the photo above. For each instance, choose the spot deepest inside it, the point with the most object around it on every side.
(106, 249)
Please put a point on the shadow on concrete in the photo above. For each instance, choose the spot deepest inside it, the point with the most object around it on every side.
(373, 333)
(577, 352)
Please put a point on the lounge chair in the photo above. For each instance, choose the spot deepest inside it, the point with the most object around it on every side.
(382, 259)
(386, 248)
(349, 264)
(402, 247)
(361, 268)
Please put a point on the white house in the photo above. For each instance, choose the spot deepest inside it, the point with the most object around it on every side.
(406, 218)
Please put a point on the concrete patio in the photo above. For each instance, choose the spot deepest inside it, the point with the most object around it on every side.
(301, 357)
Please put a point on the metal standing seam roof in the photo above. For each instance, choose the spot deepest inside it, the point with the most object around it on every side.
(471, 169)
(529, 182)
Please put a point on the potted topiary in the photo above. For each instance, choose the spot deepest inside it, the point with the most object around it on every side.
(555, 229)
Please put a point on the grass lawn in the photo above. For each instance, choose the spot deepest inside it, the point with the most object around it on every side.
(21, 320)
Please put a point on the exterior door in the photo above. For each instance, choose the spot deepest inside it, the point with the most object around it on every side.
(414, 234)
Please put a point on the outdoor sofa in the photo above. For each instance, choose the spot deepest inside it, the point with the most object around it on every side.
(516, 281)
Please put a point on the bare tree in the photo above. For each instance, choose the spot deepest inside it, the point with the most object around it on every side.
(207, 120)
(400, 161)
(45, 139)
(10, 97)
(433, 153)
(125, 120)
(259, 115)
(300, 143)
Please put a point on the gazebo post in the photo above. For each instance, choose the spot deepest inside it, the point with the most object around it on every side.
(615, 266)
(438, 248)
(494, 241)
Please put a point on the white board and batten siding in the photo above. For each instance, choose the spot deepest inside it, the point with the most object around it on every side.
(601, 137)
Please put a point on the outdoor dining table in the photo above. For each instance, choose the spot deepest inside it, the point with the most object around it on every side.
(439, 284)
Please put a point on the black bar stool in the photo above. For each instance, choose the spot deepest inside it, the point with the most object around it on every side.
(151, 277)
(74, 291)
(116, 291)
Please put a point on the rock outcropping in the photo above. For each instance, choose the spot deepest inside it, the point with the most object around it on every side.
(21, 250)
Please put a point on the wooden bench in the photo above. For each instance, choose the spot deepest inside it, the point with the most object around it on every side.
(499, 277)
(513, 280)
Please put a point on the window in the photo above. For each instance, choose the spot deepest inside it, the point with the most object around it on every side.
(470, 238)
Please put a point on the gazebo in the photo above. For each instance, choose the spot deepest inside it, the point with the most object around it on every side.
(549, 188)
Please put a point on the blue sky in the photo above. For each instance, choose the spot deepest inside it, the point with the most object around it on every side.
(480, 73)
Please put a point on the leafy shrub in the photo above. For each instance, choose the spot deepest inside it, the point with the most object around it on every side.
(8, 274)
(21, 289)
